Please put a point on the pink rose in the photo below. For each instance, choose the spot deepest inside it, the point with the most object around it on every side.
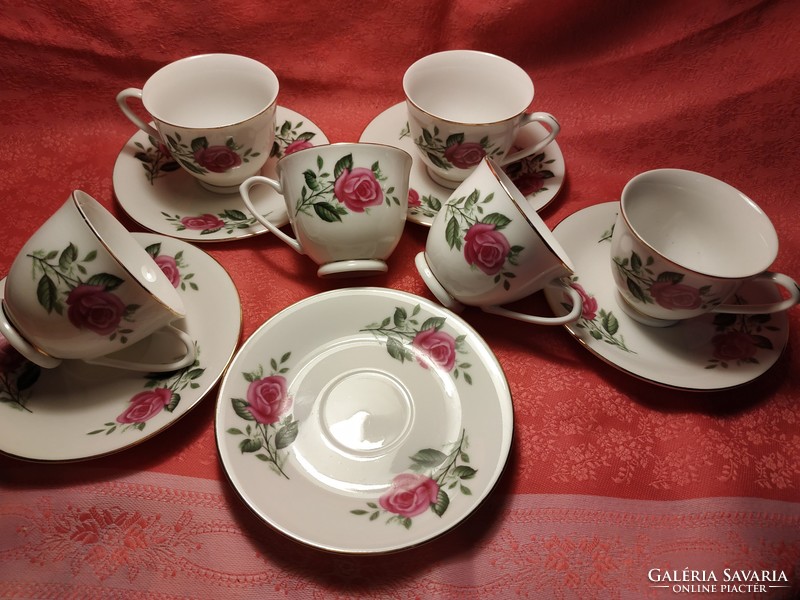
(358, 189)
(465, 154)
(92, 307)
(410, 495)
(297, 145)
(589, 311)
(146, 405)
(203, 222)
(675, 295)
(439, 347)
(734, 345)
(217, 159)
(170, 268)
(486, 248)
(413, 198)
(528, 183)
(267, 400)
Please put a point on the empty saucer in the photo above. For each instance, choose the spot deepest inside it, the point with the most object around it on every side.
(159, 195)
(710, 352)
(539, 177)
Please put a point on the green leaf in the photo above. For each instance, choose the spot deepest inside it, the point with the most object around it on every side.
(452, 234)
(68, 256)
(610, 323)
(400, 316)
(173, 402)
(499, 221)
(311, 179)
(240, 407)
(456, 138)
(472, 199)
(234, 215)
(396, 349)
(637, 291)
(429, 457)
(199, 143)
(346, 162)
(153, 249)
(442, 502)
(464, 472)
(327, 212)
(47, 293)
(106, 280)
(249, 445)
(359, 511)
(433, 323)
(286, 435)
(669, 277)
(636, 261)
(234, 431)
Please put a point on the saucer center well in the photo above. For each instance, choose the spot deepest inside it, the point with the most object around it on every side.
(365, 412)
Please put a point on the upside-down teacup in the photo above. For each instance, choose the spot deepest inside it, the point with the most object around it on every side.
(685, 242)
(488, 247)
(347, 204)
(81, 287)
(215, 113)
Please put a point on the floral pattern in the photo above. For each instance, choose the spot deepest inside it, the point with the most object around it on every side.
(198, 157)
(89, 301)
(289, 138)
(433, 474)
(427, 342)
(739, 338)
(156, 159)
(601, 324)
(531, 173)
(481, 236)
(174, 267)
(454, 152)
(427, 206)
(206, 223)
(17, 377)
(161, 393)
(271, 427)
(351, 189)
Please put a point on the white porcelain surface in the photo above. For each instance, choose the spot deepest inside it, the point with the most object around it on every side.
(347, 204)
(71, 412)
(539, 177)
(709, 352)
(685, 242)
(464, 105)
(159, 195)
(81, 287)
(215, 113)
(364, 420)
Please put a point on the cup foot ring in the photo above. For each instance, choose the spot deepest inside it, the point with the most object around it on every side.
(352, 268)
(640, 317)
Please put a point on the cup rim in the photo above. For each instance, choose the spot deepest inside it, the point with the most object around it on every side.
(437, 55)
(407, 158)
(163, 71)
(686, 175)
(176, 308)
(536, 223)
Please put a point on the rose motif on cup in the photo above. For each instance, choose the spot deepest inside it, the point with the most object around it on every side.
(479, 235)
(665, 289)
(350, 189)
(270, 428)
(410, 337)
(454, 151)
(174, 267)
(162, 393)
(200, 157)
(738, 338)
(65, 286)
(435, 475)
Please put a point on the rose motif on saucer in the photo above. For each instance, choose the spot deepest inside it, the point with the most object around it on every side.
(174, 267)
(17, 377)
(290, 137)
(271, 427)
(408, 337)
(739, 338)
(434, 476)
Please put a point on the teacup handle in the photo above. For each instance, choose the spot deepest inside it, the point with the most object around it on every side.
(244, 190)
(122, 100)
(573, 315)
(131, 365)
(535, 117)
(784, 281)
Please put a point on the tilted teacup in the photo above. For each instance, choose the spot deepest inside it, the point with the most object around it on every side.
(81, 287)
(684, 243)
(347, 204)
(487, 247)
(464, 105)
(215, 113)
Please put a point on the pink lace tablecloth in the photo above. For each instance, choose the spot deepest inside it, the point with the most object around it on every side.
(615, 487)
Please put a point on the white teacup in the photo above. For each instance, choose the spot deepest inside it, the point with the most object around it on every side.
(488, 247)
(347, 204)
(684, 243)
(81, 287)
(464, 105)
(214, 112)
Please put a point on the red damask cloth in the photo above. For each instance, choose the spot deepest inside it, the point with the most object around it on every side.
(610, 477)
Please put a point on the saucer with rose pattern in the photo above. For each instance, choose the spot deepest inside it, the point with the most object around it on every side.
(78, 411)
(364, 420)
(162, 197)
(709, 352)
(539, 177)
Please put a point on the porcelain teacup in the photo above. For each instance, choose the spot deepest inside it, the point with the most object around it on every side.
(488, 247)
(685, 242)
(347, 204)
(464, 105)
(215, 113)
(81, 287)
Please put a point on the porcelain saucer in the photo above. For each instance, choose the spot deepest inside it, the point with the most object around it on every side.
(78, 411)
(162, 197)
(539, 177)
(710, 352)
(364, 420)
